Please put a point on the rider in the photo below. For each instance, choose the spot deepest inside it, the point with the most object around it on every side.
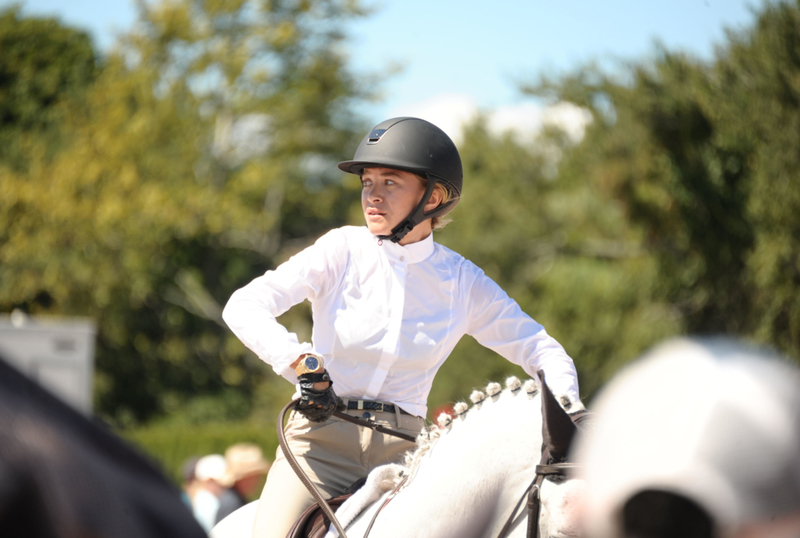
(389, 305)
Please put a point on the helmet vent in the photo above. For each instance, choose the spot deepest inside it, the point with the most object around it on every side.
(375, 136)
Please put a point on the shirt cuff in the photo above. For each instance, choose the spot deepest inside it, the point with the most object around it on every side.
(564, 385)
(283, 365)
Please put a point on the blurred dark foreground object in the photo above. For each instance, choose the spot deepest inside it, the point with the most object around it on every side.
(64, 476)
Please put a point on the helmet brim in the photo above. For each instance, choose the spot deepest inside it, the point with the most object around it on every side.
(357, 167)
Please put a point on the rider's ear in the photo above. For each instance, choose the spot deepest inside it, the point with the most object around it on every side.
(435, 199)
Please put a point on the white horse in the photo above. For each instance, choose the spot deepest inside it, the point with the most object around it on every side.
(468, 477)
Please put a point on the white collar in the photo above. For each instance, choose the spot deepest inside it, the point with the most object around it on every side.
(410, 253)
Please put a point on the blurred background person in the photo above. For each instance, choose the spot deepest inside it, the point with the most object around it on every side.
(699, 438)
(189, 484)
(210, 474)
(244, 478)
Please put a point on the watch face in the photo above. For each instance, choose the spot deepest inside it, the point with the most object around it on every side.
(312, 363)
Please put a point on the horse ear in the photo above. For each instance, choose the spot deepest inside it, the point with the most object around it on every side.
(557, 426)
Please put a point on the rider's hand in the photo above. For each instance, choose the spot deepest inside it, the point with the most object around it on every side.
(315, 404)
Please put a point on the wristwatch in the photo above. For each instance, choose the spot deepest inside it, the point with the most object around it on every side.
(310, 363)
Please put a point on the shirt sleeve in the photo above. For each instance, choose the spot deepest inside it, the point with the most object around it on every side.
(251, 311)
(497, 322)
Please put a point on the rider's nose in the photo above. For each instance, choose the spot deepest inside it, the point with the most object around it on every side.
(374, 193)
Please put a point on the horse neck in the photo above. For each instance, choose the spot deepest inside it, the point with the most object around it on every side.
(470, 477)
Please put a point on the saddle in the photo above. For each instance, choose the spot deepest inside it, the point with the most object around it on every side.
(313, 523)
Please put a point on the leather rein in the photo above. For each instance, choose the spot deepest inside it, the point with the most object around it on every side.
(312, 488)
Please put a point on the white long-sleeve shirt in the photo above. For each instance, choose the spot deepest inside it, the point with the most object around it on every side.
(386, 316)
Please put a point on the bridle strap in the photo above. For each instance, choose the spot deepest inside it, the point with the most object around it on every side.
(534, 507)
(533, 494)
(534, 498)
(556, 468)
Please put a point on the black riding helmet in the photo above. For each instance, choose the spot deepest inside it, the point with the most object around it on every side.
(415, 146)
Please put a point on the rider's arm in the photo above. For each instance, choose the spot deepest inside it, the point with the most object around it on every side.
(496, 321)
(251, 311)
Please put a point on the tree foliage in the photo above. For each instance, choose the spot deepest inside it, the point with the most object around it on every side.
(562, 249)
(702, 160)
(188, 172)
(43, 66)
(202, 152)
(677, 213)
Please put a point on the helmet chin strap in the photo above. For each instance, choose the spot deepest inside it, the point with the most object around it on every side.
(417, 215)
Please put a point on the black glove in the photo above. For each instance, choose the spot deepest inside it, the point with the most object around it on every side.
(316, 405)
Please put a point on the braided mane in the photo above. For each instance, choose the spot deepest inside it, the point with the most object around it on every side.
(445, 423)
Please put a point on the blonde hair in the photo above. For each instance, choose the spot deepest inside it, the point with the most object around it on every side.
(437, 223)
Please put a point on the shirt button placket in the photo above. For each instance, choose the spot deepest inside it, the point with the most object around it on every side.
(392, 338)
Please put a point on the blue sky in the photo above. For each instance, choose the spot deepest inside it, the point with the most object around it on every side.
(461, 56)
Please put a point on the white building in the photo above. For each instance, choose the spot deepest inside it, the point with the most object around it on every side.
(58, 353)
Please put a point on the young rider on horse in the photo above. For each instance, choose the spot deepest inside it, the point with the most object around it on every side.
(389, 305)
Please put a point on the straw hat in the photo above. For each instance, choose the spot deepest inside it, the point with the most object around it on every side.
(243, 459)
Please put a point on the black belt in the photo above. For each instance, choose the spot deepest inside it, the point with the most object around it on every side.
(371, 405)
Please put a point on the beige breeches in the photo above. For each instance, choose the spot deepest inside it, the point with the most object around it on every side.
(334, 454)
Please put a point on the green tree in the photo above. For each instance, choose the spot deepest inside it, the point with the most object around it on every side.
(760, 75)
(202, 159)
(678, 212)
(702, 159)
(43, 65)
(561, 247)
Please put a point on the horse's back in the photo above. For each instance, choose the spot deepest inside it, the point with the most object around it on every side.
(238, 524)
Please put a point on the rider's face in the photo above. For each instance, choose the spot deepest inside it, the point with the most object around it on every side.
(387, 197)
